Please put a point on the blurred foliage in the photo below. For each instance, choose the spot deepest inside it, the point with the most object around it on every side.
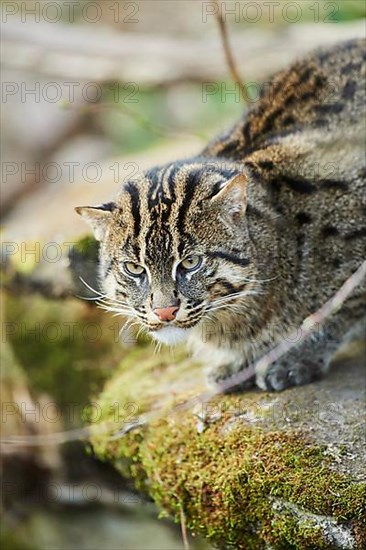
(161, 114)
(67, 349)
(350, 9)
(325, 11)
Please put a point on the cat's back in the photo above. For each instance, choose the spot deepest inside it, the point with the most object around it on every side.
(323, 92)
(306, 144)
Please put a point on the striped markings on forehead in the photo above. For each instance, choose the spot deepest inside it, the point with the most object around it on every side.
(161, 200)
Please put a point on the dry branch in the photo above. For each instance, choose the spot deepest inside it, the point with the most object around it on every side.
(227, 49)
(184, 530)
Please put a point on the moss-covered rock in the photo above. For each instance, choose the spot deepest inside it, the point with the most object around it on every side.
(254, 470)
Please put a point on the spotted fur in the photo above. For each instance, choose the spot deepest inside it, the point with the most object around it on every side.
(275, 211)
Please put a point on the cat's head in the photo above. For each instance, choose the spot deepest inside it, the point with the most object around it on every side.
(175, 248)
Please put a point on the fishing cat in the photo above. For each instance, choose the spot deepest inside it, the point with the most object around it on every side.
(233, 248)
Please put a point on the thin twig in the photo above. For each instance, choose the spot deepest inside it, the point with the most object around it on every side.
(227, 48)
(183, 527)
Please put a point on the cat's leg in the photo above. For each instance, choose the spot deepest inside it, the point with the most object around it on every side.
(302, 365)
(222, 364)
(353, 345)
(305, 362)
(311, 358)
(356, 333)
(220, 375)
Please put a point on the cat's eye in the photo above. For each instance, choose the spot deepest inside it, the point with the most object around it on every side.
(134, 269)
(191, 263)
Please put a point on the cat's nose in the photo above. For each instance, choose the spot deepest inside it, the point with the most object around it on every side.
(166, 313)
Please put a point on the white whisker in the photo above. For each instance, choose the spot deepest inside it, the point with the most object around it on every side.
(90, 287)
(141, 329)
(260, 280)
(87, 298)
(233, 296)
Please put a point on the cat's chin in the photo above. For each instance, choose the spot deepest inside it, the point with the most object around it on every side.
(171, 335)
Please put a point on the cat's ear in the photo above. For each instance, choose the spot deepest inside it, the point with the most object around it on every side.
(233, 196)
(98, 217)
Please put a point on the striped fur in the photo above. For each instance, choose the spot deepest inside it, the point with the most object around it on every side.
(275, 209)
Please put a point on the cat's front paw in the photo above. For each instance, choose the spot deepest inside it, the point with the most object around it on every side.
(279, 377)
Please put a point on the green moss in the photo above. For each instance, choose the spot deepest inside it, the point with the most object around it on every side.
(227, 481)
(235, 475)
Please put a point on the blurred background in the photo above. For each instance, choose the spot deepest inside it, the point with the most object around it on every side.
(92, 93)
